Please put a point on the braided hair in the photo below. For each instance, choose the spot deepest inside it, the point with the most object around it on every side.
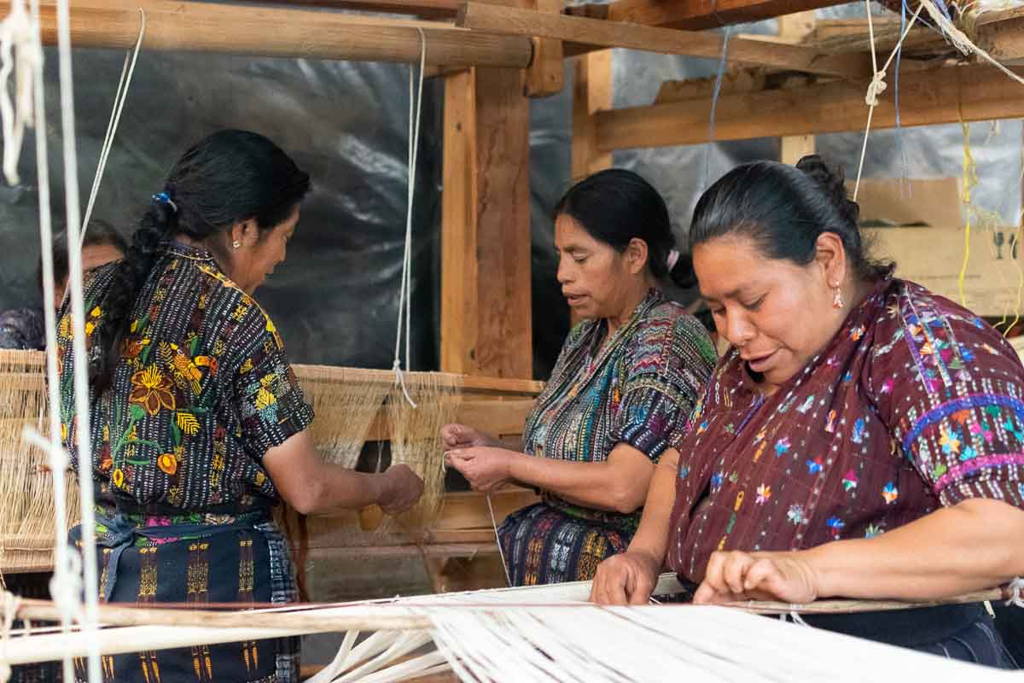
(227, 177)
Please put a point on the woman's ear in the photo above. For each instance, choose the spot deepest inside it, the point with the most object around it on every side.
(636, 255)
(245, 233)
(830, 255)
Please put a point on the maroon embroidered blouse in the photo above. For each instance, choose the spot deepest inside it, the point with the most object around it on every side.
(915, 404)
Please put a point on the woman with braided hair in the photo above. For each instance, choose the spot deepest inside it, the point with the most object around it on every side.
(198, 424)
(862, 438)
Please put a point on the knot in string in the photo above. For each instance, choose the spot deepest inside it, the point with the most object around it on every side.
(876, 87)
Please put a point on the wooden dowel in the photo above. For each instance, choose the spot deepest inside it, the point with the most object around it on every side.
(273, 32)
(514, 21)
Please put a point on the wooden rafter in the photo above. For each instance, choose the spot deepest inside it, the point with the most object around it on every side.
(280, 32)
(597, 32)
(927, 97)
(700, 14)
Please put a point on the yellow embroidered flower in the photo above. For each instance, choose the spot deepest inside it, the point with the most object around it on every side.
(117, 476)
(134, 327)
(167, 463)
(264, 399)
(246, 366)
(90, 327)
(151, 390)
(260, 478)
(96, 312)
(187, 370)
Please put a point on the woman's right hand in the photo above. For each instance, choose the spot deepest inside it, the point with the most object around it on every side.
(402, 489)
(456, 436)
(628, 578)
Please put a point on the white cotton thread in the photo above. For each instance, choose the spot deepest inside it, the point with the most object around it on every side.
(123, 84)
(17, 56)
(405, 290)
(1016, 589)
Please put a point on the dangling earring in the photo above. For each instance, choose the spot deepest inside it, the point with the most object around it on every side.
(837, 298)
(236, 244)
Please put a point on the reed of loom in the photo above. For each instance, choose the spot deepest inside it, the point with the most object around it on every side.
(26, 487)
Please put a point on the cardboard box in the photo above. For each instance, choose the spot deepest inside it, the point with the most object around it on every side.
(927, 242)
(932, 257)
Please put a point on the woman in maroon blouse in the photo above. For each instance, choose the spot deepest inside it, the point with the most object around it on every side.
(862, 438)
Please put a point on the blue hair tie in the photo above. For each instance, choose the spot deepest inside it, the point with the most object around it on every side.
(164, 198)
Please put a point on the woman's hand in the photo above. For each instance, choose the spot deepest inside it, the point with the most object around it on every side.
(625, 579)
(486, 469)
(402, 489)
(463, 436)
(733, 576)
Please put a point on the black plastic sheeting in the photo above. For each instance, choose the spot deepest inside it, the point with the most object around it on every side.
(335, 298)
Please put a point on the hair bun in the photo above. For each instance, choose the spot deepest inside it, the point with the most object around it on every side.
(831, 179)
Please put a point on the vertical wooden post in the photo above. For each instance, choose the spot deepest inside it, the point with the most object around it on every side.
(591, 92)
(794, 147)
(546, 74)
(485, 234)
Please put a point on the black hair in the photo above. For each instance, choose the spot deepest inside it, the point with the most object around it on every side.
(227, 177)
(615, 206)
(99, 233)
(784, 209)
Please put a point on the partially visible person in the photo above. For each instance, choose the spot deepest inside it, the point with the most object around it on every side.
(620, 393)
(861, 439)
(199, 425)
(24, 328)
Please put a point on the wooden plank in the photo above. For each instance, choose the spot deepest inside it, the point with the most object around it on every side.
(701, 14)
(933, 96)
(592, 92)
(459, 267)
(515, 21)
(1001, 34)
(546, 75)
(428, 9)
(796, 27)
(278, 32)
(500, 418)
(486, 326)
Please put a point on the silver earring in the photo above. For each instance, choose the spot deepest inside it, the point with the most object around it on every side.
(837, 298)
(236, 244)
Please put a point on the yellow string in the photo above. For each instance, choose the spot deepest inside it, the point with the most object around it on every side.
(970, 179)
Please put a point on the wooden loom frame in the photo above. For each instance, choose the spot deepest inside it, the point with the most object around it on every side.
(492, 56)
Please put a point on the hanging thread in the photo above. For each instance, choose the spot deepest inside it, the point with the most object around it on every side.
(877, 85)
(123, 84)
(715, 93)
(405, 291)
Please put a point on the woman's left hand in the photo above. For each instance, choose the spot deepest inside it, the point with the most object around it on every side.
(733, 576)
(485, 468)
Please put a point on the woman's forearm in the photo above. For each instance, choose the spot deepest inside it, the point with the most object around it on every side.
(651, 537)
(971, 546)
(618, 484)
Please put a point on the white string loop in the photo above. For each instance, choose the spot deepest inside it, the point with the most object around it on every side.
(1016, 592)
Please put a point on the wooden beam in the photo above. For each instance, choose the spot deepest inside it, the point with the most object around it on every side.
(927, 97)
(1001, 34)
(274, 32)
(592, 92)
(486, 324)
(794, 28)
(427, 9)
(546, 75)
(581, 30)
(701, 14)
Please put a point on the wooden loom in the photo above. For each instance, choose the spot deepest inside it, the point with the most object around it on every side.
(490, 57)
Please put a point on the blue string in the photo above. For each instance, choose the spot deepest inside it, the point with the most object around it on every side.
(905, 172)
(714, 106)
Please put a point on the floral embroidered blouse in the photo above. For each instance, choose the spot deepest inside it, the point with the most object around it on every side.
(202, 390)
(636, 388)
(915, 404)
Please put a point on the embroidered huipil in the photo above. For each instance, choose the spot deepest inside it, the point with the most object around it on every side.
(201, 391)
(636, 388)
(915, 404)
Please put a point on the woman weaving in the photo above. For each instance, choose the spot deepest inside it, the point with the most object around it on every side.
(626, 379)
(862, 438)
(198, 424)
